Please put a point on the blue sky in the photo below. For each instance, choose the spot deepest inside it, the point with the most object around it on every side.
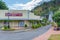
(22, 4)
(9, 2)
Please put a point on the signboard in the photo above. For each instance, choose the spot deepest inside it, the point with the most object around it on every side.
(13, 14)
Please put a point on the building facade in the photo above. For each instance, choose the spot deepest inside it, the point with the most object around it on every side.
(17, 18)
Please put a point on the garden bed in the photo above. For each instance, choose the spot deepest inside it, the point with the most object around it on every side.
(8, 29)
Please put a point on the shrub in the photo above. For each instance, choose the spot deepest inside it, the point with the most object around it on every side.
(43, 24)
(48, 22)
(33, 26)
(52, 23)
(56, 18)
(5, 27)
(58, 24)
(39, 24)
(25, 25)
(8, 29)
(44, 20)
(36, 26)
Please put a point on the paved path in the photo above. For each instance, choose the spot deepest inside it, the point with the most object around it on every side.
(44, 36)
(47, 34)
(29, 35)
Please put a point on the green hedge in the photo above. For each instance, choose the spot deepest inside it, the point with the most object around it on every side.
(36, 26)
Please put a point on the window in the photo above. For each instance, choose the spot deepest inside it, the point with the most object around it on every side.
(21, 23)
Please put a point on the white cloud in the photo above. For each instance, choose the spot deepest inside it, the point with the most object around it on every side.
(28, 6)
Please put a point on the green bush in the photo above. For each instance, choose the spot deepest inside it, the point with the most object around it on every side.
(43, 24)
(52, 23)
(8, 29)
(39, 24)
(47, 23)
(58, 24)
(5, 27)
(44, 20)
(36, 26)
(25, 25)
(33, 26)
(56, 18)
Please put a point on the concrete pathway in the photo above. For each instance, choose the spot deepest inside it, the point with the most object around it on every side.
(46, 35)
(56, 32)
(29, 35)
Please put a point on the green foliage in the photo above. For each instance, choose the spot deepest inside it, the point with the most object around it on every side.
(45, 22)
(56, 18)
(33, 26)
(58, 23)
(31, 21)
(3, 5)
(39, 24)
(54, 24)
(36, 26)
(45, 7)
(5, 28)
(25, 25)
(48, 22)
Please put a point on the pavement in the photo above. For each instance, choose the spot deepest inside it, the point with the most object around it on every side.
(28, 35)
(46, 35)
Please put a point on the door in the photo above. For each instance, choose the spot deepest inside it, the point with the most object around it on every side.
(21, 24)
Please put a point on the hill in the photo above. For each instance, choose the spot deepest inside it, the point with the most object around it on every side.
(44, 8)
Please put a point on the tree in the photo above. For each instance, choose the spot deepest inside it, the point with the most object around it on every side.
(3, 5)
(56, 18)
(46, 7)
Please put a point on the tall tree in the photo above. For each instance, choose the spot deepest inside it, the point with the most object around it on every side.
(3, 5)
(45, 8)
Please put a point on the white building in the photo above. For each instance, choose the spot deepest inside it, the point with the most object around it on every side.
(17, 18)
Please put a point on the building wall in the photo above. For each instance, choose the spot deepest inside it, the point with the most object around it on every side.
(32, 16)
(16, 23)
(1, 24)
(13, 24)
(2, 14)
(25, 15)
(27, 22)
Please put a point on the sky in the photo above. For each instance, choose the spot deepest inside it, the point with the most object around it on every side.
(22, 4)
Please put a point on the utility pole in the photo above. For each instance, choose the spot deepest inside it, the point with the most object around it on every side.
(8, 20)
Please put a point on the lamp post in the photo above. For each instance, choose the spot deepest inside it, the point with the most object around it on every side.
(8, 20)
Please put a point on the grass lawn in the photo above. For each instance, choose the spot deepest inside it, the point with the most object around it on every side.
(55, 37)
